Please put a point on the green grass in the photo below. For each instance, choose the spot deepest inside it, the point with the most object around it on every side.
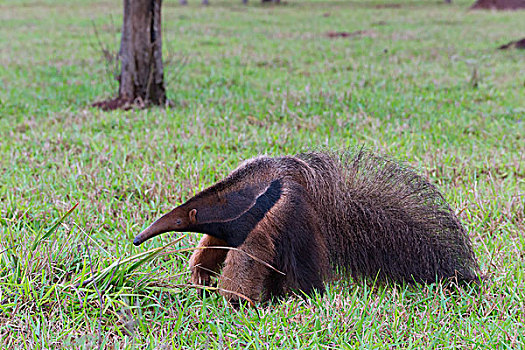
(423, 82)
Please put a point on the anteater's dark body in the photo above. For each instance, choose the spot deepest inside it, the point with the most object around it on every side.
(312, 214)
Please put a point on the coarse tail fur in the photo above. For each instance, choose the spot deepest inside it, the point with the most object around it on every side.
(316, 214)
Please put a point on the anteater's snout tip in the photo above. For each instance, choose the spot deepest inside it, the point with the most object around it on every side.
(137, 240)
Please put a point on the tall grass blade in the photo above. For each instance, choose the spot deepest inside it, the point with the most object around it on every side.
(53, 228)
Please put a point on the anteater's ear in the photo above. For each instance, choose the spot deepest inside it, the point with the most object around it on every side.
(193, 216)
(234, 203)
(231, 203)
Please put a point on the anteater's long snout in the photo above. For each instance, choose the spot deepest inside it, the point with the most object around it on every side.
(143, 236)
(162, 225)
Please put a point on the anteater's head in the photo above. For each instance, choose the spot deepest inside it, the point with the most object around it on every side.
(228, 211)
(179, 219)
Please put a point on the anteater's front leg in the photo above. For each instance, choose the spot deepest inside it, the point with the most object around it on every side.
(244, 276)
(207, 261)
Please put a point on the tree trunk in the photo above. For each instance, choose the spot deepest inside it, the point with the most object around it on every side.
(142, 74)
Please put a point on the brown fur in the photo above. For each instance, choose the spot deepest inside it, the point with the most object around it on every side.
(313, 214)
(206, 262)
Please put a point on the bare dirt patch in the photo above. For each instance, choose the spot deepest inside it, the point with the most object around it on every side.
(361, 33)
(498, 5)
(516, 44)
(387, 6)
(113, 104)
(127, 104)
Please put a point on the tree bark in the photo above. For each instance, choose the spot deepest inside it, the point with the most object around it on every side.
(142, 73)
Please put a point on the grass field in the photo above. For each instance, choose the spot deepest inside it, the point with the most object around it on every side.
(420, 80)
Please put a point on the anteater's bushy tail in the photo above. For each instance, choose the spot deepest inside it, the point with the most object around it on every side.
(383, 220)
